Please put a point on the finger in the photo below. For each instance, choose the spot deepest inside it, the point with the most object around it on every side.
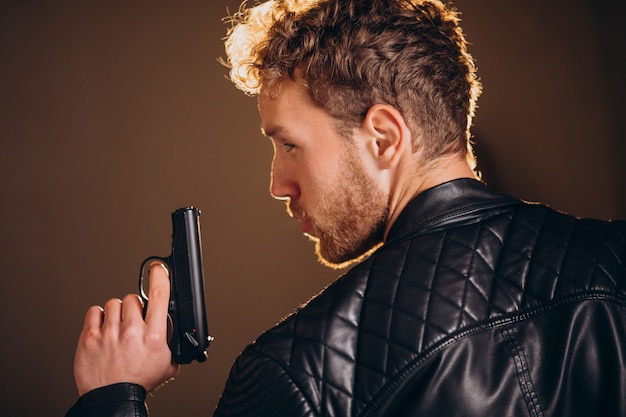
(93, 319)
(158, 296)
(132, 308)
(112, 313)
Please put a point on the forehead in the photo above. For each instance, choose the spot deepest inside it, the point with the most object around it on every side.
(287, 103)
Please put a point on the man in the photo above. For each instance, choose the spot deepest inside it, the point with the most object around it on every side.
(463, 301)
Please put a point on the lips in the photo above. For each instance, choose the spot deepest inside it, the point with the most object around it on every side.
(305, 223)
(299, 214)
(306, 227)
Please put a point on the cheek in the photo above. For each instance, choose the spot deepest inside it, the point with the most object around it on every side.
(321, 179)
(320, 174)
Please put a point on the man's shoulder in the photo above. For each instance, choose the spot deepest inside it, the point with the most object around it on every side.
(337, 307)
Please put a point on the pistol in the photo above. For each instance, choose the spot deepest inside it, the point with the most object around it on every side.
(188, 335)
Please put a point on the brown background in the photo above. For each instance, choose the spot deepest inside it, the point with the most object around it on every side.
(113, 114)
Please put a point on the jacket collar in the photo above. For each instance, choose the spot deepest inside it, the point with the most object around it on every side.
(461, 200)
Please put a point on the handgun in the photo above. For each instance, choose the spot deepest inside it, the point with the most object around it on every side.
(187, 324)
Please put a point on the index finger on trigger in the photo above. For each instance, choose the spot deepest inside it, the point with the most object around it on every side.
(158, 295)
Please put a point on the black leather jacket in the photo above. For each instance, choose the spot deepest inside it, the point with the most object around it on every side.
(477, 305)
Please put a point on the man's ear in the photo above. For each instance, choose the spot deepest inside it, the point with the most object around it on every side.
(388, 133)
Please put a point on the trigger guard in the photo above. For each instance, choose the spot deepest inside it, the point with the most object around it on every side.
(150, 260)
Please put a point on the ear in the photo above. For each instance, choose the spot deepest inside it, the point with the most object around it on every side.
(388, 133)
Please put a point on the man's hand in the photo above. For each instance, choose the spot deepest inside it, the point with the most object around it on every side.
(118, 345)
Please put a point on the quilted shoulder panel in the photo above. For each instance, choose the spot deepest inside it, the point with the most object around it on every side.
(259, 385)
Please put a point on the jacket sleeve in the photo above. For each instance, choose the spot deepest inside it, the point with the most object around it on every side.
(117, 400)
(260, 386)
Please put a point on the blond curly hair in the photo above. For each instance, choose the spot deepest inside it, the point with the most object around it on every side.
(352, 54)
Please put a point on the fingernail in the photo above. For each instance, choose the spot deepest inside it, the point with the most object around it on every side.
(162, 265)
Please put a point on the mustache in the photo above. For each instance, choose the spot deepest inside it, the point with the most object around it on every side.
(294, 211)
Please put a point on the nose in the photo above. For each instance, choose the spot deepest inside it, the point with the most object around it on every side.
(282, 183)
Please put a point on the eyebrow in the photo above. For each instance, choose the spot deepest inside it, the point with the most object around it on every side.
(273, 131)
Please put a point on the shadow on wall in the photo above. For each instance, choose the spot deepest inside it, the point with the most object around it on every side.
(548, 123)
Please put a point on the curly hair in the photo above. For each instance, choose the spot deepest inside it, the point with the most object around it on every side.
(352, 54)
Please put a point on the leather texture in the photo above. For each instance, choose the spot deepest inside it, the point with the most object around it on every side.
(117, 400)
(478, 304)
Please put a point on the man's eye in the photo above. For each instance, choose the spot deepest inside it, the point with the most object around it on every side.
(289, 146)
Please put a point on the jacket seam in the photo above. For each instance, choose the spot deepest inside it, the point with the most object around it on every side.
(524, 379)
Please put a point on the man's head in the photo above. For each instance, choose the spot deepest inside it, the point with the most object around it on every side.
(328, 181)
(355, 95)
(352, 54)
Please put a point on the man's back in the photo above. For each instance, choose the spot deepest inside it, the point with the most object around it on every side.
(478, 304)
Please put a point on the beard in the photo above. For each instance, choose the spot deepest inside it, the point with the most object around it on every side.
(349, 218)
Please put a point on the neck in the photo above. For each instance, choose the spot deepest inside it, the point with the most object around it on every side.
(411, 183)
